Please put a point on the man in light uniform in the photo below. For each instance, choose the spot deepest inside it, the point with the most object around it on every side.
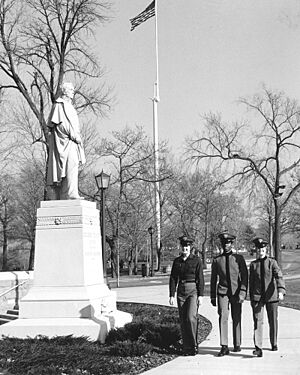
(228, 286)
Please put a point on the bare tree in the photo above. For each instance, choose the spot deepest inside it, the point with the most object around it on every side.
(269, 154)
(8, 143)
(201, 209)
(42, 42)
(127, 161)
(130, 157)
(30, 188)
(135, 219)
(7, 214)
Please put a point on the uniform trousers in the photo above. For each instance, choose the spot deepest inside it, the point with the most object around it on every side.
(224, 304)
(258, 318)
(187, 307)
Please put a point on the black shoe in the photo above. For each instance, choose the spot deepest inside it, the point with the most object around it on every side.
(274, 348)
(237, 349)
(224, 351)
(258, 352)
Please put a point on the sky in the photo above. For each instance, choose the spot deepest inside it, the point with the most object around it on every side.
(210, 54)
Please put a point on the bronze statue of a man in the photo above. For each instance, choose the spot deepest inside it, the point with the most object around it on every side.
(65, 146)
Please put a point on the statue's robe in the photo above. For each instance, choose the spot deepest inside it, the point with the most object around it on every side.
(65, 149)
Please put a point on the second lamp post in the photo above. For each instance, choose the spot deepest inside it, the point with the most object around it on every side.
(151, 231)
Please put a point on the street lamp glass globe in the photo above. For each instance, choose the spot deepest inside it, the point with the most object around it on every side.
(102, 180)
(150, 230)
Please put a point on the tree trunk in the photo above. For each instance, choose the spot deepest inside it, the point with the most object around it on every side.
(271, 242)
(204, 255)
(130, 268)
(31, 256)
(113, 266)
(158, 258)
(204, 242)
(112, 244)
(277, 235)
(4, 253)
(135, 256)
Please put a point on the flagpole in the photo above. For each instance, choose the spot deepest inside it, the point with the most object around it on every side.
(155, 101)
(156, 51)
(150, 11)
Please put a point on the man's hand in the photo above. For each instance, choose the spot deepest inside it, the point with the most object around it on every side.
(172, 301)
(199, 303)
(241, 299)
(281, 296)
(213, 301)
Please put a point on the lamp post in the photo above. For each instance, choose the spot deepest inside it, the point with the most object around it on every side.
(102, 181)
(151, 231)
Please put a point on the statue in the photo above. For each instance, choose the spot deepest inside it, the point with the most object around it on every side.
(65, 146)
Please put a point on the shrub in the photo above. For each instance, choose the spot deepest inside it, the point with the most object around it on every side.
(115, 335)
(131, 331)
(163, 335)
(156, 334)
(130, 348)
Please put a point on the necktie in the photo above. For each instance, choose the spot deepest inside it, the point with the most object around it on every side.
(228, 275)
(262, 277)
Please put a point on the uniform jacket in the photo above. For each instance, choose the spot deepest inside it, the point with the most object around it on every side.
(273, 280)
(238, 276)
(190, 269)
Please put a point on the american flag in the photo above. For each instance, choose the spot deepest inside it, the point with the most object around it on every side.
(142, 17)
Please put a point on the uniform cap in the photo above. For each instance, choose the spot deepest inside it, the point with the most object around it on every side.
(260, 242)
(185, 240)
(226, 238)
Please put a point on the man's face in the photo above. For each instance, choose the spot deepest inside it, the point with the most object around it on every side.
(262, 252)
(186, 250)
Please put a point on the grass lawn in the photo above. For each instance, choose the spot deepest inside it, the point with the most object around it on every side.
(291, 270)
(292, 298)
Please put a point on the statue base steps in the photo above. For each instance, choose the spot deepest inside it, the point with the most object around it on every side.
(94, 329)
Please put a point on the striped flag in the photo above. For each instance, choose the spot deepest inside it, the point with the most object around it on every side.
(142, 17)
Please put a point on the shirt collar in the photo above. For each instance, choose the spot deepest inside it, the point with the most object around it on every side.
(226, 254)
(262, 259)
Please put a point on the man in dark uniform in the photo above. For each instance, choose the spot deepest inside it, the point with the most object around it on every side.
(228, 285)
(266, 286)
(187, 279)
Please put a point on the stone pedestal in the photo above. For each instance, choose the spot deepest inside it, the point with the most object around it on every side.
(68, 295)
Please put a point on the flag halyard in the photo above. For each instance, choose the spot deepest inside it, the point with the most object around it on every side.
(143, 16)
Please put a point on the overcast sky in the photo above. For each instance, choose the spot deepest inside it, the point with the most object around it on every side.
(211, 52)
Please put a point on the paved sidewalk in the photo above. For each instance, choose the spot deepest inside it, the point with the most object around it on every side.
(285, 361)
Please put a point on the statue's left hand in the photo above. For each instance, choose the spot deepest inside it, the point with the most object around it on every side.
(281, 296)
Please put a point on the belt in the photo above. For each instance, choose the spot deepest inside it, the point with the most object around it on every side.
(186, 281)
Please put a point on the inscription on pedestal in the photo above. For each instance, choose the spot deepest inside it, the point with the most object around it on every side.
(46, 221)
